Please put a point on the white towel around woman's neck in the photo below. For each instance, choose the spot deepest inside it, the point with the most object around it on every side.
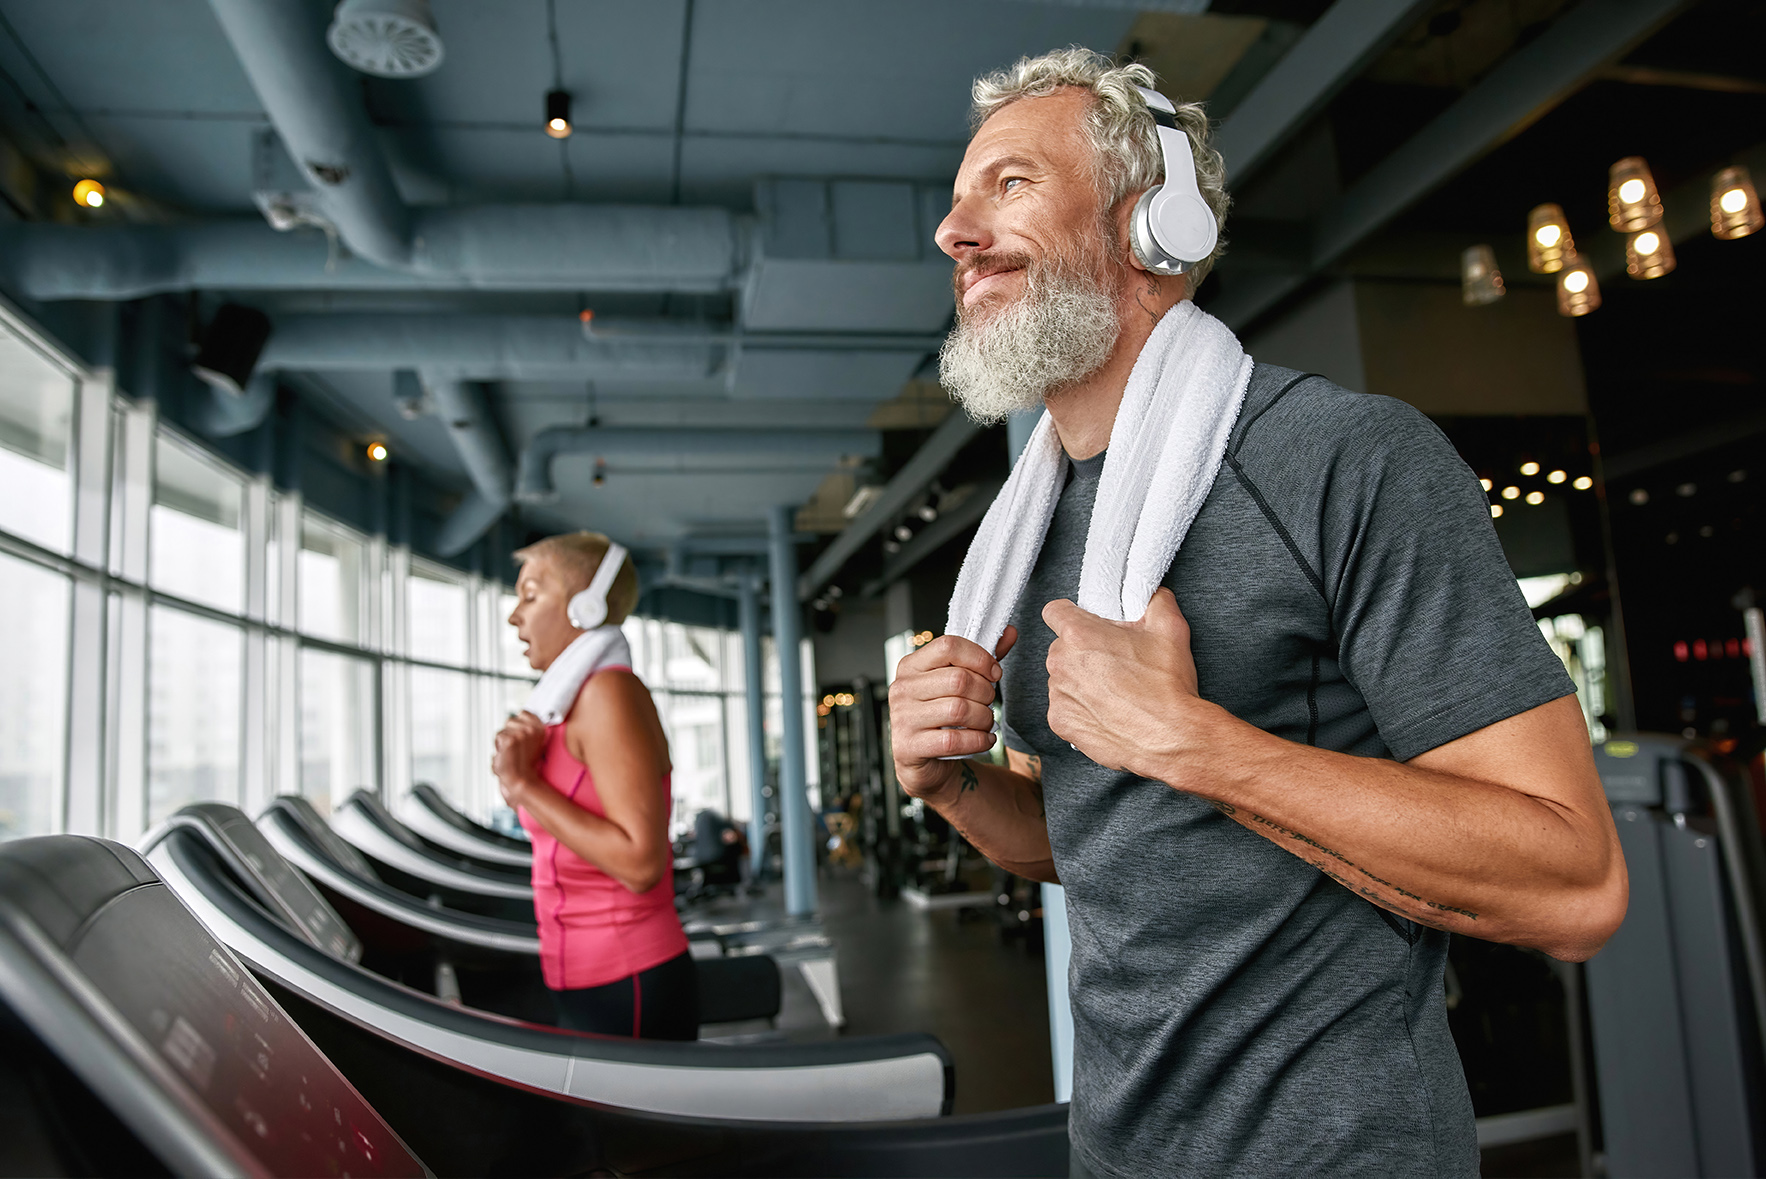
(604, 646)
(1165, 449)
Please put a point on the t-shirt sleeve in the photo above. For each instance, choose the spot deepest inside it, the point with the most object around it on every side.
(1432, 628)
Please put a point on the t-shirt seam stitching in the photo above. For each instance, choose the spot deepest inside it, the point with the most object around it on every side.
(1281, 530)
(1417, 1061)
(1245, 432)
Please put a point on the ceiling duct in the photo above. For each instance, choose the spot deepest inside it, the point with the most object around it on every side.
(386, 38)
(693, 451)
(462, 408)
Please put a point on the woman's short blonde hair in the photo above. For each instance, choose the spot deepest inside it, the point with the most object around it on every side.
(577, 555)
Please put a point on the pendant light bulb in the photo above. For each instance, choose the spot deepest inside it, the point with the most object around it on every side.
(1578, 289)
(1548, 239)
(1479, 280)
(558, 114)
(1735, 205)
(89, 193)
(1632, 200)
(1649, 254)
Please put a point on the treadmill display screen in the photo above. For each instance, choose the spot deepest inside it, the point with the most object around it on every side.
(223, 1035)
(292, 896)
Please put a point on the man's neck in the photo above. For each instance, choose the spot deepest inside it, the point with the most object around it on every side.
(1085, 413)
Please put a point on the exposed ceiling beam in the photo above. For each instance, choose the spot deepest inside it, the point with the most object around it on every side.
(1180, 7)
(926, 465)
(935, 536)
(1337, 47)
(1528, 83)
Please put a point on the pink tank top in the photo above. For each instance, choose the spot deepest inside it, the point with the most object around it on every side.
(593, 930)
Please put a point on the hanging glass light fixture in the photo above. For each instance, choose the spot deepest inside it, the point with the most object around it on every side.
(1735, 206)
(1548, 239)
(1632, 200)
(1480, 281)
(1578, 289)
(1649, 254)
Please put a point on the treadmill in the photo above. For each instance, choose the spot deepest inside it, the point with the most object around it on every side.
(487, 963)
(406, 862)
(133, 1042)
(254, 901)
(435, 820)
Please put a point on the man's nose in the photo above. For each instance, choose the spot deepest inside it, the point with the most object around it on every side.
(963, 232)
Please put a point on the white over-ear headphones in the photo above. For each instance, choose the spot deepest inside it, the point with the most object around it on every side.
(1172, 228)
(588, 609)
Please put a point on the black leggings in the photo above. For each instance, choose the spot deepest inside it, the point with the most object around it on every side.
(661, 1003)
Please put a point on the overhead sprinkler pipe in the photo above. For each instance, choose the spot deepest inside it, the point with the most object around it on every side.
(694, 450)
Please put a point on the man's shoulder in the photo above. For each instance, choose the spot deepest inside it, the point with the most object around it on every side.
(1290, 416)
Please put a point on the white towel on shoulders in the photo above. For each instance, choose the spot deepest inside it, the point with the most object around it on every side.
(604, 646)
(1166, 446)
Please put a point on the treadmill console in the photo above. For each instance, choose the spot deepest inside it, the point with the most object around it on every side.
(333, 845)
(277, 885)
(195, 1024)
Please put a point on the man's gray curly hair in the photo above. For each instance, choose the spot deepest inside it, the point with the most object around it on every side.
(1124, 139)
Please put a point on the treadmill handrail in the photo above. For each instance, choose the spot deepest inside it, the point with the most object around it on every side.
(364, 831)
(846, 1077)
(1743, 889)
(433, 801)
(427, 825)
(451, 924)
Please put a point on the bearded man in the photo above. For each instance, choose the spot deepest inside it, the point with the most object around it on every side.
(1331, 738)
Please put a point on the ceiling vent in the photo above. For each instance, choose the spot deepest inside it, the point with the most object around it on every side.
(386, 38)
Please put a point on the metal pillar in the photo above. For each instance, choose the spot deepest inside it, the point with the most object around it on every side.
(748, 609)
(795, 828)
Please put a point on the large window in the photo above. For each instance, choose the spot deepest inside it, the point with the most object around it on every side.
(33, 696)
(193, 711)
(196, 548)
(237, 644)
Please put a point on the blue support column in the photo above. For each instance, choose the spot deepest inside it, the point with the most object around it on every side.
(796, 830)
(748, 609)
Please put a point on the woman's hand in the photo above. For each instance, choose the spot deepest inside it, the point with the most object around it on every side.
(518, 746)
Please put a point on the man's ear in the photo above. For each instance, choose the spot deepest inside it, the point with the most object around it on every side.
(1124, 216)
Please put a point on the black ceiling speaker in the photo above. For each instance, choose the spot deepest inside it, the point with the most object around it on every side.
(230, 346)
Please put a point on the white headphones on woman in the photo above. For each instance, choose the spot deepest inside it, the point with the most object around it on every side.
(1172, 228)
(588, 609)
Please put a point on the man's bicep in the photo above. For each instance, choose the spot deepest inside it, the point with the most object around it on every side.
(1543, 752)
(1028, 764)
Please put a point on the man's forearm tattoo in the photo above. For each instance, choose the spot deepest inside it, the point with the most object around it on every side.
(970, 781)
(1343, 861)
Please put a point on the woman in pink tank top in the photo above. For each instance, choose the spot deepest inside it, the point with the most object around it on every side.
(594, 794)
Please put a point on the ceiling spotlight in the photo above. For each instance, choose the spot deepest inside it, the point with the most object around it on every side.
(1648, 254)
(1486, 484)
(1632, 200)
(903, 533)
(1529, 468)
(927, 513)
(558, 114)
(891, 545)
(1583, 483)
(1556, 477)
(1735, 206)
(89, 193)
(600, 477)
(1511, 492)
(377, 452)
(1578, 292)
(1639, 496)
(1495, 511)
(1536, 498)
(386, 38)
(1480, 281)
(1548, 239)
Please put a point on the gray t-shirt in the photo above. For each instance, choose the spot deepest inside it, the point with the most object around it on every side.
(1234, 1010)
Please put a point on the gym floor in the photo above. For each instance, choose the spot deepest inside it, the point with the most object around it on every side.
(951, 973)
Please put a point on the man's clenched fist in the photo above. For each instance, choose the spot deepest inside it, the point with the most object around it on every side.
(1121, 692)
(940, 706)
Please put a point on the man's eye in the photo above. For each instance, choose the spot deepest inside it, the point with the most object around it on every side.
(1009, 181)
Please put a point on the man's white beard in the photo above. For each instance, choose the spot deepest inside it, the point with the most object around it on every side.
(1059, 332)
